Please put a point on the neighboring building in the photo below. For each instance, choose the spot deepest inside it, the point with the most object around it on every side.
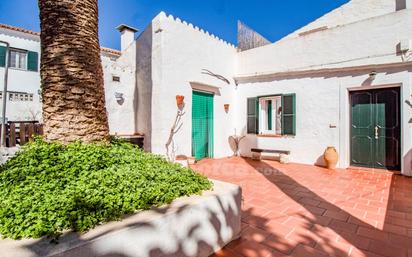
(23, 96)
(24, 90)
(343, 80)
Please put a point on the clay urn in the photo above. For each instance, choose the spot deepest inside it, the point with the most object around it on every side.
(331, 157)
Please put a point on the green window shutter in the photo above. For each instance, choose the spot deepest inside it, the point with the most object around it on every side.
(252, 115)
(289, 114)
(2, 56)
(32, 61)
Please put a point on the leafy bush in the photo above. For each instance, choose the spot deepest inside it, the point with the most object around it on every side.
(49, 187)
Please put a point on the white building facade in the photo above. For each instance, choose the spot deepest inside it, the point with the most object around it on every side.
(344, 81)
(24, 89)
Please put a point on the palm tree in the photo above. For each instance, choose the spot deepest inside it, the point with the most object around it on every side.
(71, 71)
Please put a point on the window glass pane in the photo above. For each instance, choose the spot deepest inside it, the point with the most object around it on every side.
(12, 58)
(18, 59)
(22, 60)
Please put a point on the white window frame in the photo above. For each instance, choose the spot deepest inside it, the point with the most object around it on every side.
(17, 60)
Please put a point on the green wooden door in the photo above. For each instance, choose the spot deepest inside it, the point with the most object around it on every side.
(202, 125)
(375, 129)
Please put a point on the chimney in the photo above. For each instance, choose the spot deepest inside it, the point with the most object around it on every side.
(127, 35)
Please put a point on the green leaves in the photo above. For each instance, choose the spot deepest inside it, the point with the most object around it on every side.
(49, 187)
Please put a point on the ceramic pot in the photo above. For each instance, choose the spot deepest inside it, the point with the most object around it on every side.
(331, 157)
(226, 106)
(179, 100)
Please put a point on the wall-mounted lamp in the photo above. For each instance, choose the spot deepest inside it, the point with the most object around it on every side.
(372, 75)
(180, 100)
(226, 106)
(119, 97)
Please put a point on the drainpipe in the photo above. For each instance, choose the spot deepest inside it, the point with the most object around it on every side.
(3, 116)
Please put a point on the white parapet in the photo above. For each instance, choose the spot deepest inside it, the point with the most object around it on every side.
(193, 226)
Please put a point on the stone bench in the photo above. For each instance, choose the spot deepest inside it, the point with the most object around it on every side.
(283, 154)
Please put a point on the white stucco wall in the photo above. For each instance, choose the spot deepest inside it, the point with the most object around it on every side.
(321, 68)
(121, 113)
(353, 11)
(371, 41)
(22, 80)
(144, 83)
(121, 117)
(321, 101)
(180, 52)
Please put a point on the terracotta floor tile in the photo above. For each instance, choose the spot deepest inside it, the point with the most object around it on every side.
(253, 249)
(226, 252)
(303, 210)
(307, 251)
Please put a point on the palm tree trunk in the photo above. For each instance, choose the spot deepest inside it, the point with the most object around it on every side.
(71, 71)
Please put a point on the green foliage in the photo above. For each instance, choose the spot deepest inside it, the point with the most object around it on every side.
(49, 187)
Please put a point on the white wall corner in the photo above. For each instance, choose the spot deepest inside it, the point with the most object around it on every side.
(408, 4)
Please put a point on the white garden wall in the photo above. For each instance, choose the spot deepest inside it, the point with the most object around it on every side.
(194, 226)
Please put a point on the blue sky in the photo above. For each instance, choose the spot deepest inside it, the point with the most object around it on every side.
(271, 18)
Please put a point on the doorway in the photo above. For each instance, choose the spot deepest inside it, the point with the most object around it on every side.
(375, 139)
(202, 125)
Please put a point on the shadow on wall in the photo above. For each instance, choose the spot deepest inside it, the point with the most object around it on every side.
(325, 74)
(142, 102)
(191, 232)
(320, 161)
(176, 127)
(247, 143)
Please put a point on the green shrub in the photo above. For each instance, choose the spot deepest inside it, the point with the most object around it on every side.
(49, 187)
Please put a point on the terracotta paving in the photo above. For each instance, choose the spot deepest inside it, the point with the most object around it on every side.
(303, 210)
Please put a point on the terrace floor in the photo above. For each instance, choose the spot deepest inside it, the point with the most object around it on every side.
(303, 210)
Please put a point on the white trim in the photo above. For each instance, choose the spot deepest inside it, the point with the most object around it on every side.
(202, 87)
(273, 75)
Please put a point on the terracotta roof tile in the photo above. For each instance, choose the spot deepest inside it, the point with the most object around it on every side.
(9, 27)
(5, 26)
(110, 50)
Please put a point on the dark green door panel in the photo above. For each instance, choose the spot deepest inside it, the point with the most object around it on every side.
(202, 125)
(387, 119)
(362, 129)
(375, 128)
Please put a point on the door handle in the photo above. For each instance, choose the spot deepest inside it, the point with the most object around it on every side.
(376, 132)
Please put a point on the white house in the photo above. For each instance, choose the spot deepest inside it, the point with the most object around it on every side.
(343, 80)
(24, 90)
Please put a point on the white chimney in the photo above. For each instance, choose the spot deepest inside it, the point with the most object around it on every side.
(127, 35)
